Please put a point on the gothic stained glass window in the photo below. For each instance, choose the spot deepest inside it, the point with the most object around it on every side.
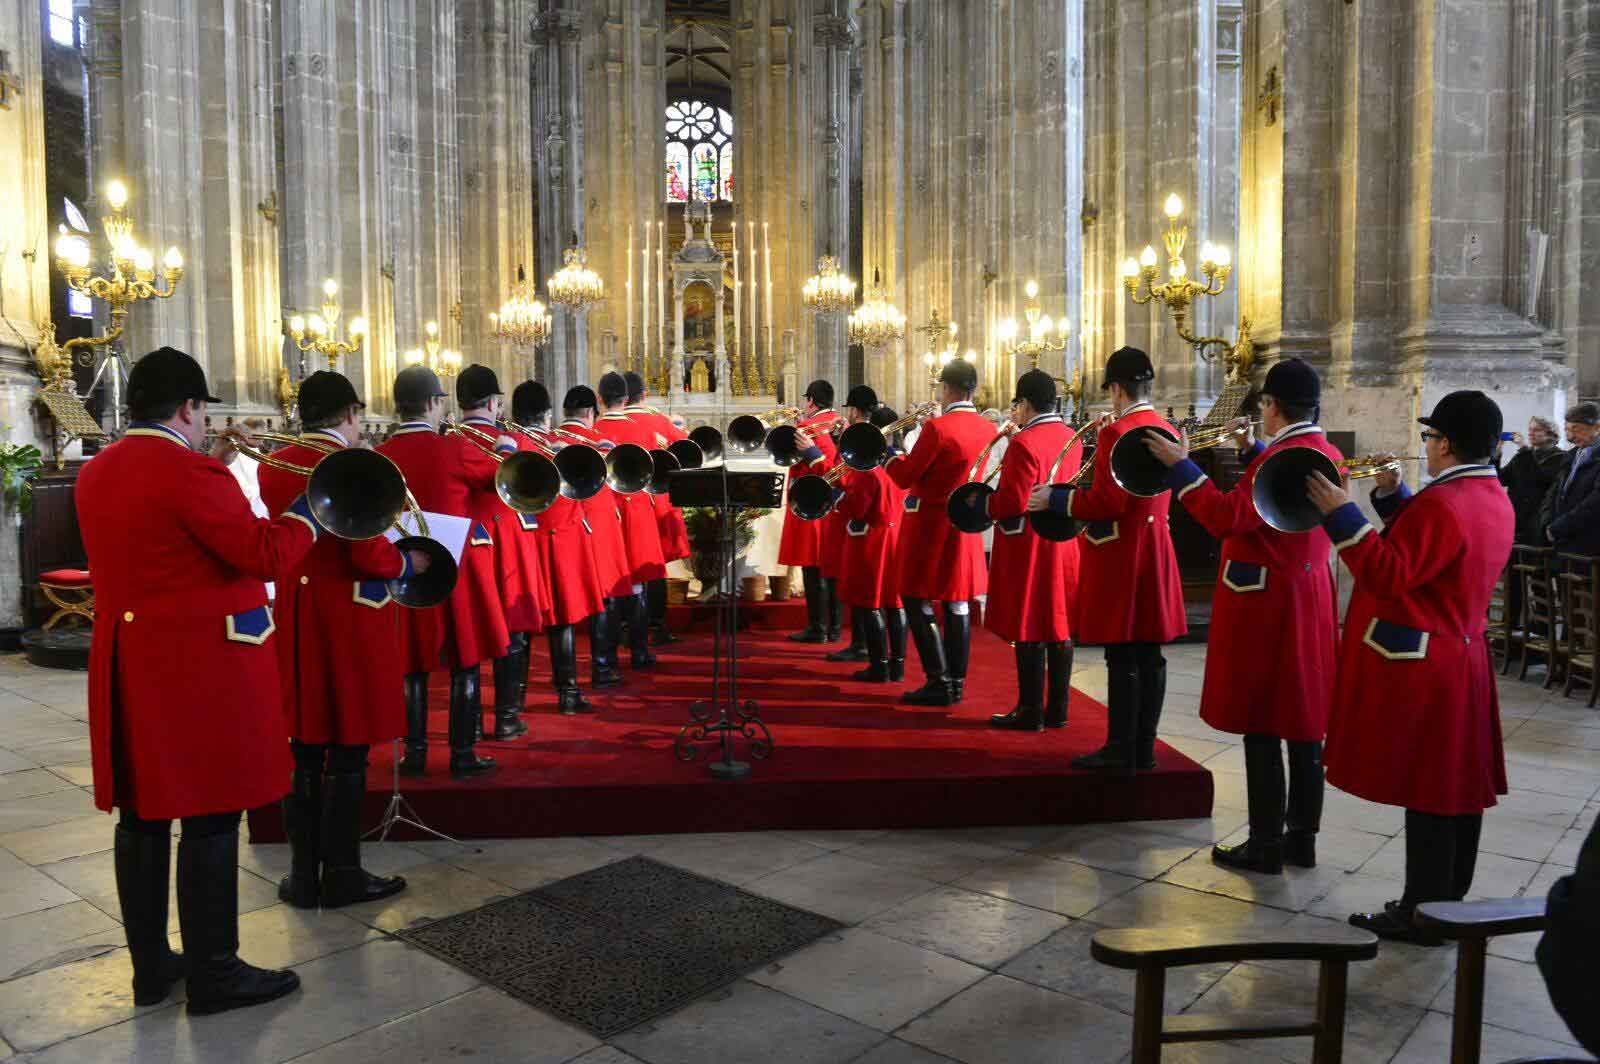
(699, 152)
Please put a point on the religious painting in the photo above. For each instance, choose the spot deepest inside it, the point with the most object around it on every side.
(699, 317)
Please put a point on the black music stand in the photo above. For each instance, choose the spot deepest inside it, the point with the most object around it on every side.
(722, 716)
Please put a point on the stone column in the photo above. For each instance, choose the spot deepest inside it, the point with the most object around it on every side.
(883, 167)
(832, 46)
(1580, 188)
(558, 80)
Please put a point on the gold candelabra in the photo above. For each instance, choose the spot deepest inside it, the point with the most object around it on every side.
(936, 358)
(877, 322)
(444, 361)
(1178, 293)
(1037, 340)
(522, 319)
(320, 332)
(575, 285)
(828, 291)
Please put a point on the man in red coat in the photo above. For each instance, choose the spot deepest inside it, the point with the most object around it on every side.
(641, 532)
(447, 474)
(1274, 630)
(1416, 715)
(674, 533)
(801, 542)
(524, 593)
(337, 704)
(580, 408)
(185, 713)
(938, 562)
(1130, 596)
(1032, 579)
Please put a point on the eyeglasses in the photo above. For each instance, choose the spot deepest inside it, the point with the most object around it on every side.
(1426, 435)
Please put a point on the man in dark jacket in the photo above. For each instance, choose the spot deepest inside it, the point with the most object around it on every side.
(1571, 512)
(1528, 477)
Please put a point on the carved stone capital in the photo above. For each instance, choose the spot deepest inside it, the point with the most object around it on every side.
(1582, 79)
(834, 31)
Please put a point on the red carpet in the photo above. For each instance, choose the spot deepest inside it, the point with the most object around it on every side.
(848, 756)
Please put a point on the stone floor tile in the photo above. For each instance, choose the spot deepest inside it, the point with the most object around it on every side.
(746, 1022)
(978, 928)
(281, 936)
(270, 860)
(836, 840)
(736, 858)
(11, 761)
(43, 810)
(482, 1025)
(894, 1051)
(1062, 963)
(1169, 905)
(523, 864)
(1375, 1027)
(1518, 838)
(1430, 1043)
(21, 729)
(871, 979)
(927, 854)
(1495, 876)
(1017, 837)
(77, 775)
(607, 1055)
(1515, 998)
(1052, 883)
(840, 886)
(1223, 821)
(68, 752)
(1201, 750)
(1401, 972)
(1554, 810)
(70, 838)
(1566, 850)
(68, 1000)
(1535, 777)
(37, 940)
(94, 879)
(1102, 846)
(27, 890)
(341, 995)
(1356, 892)
(1294, 889)
(1004, 1021)
(433, 891)
(29, 782)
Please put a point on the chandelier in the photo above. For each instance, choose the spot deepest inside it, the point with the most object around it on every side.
(828, 291)
(522, 320)
(320, 332)
(433, 354)
(1038, 340)
(1178, 294)
(575, 285)
(877, 322)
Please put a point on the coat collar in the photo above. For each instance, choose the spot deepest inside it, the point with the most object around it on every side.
(574, 423)
(1295, 431)
(479, 419)
(1043, 419)
(327, 435)
(1138, 408)
(1464, 472)
(158, 431)
(965, 404)
(614, 415)
(409, 428)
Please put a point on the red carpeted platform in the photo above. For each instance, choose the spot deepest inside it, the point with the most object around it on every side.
(848, 755)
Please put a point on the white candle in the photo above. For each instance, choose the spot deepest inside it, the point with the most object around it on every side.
(628, 294)
(644, 277)
(755, 321)
(736, 290)
(766, 239)
(661, 290)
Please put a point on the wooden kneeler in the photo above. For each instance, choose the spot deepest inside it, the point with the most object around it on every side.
(1149, 952)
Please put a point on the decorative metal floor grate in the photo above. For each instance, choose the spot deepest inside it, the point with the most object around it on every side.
(615, 946)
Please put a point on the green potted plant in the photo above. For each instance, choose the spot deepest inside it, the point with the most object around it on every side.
(708, 560)
(19, 465)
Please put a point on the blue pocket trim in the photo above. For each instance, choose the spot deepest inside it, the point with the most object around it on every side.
(252, 626)
(1396, 642)
(480, 536)
(374, 593)
(857, 528)
(529, 522)
(913, 504)
(1098, 533)
(1244, 576)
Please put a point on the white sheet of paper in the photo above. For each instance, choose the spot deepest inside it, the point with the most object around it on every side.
(448, 530)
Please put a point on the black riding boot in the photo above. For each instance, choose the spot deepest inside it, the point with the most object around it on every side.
(466, 711)
(656, 593)
(957, 646)
(1303, 818)
(1152, 696)
(522, 647)
(1028, 714)
(639, 655)
(603, 671)
(869, 623)
(1430, 876)
(142, 861)
(935, 690)
(1058, 659)
(857, 650)
(1122, 716)
(506, 724)
(816, 606)
(833, 618)
(208, 913)
(1262, 851)
(302, 821)
(564, 670)
(894, 618)
(415, 763)
(344, 881)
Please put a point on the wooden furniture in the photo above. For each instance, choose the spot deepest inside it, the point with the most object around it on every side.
(1542, 609)
(1149, 952)
(50, 538)
(1471, 924)
(1580, 577)
(1500, 632)
(71, 592)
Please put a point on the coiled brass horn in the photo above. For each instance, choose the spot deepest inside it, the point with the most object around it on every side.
(626, 468)
(865, 446)
(968, 505)
(527, 481)
(1047, 524)
(1279, 489)
(747, 432)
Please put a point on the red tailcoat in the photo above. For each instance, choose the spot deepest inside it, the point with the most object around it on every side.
(1031, 580)
(338, 633)
(1129, 590)
(669, 519)
(641, 534)
(1274, 614)
(802, 541)
(447, 474)
(870, 512)
(937, 562)
(566, 556)
(1416, 716)
(519, 576)
(604, 511)
(182, 668)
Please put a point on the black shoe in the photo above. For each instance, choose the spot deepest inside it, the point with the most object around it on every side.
(466, 764)
(661, 637)
(645, 660)
(465, 715)
(344, 881)
(415, 761)
(874, 673)
(1300, 849)
(1252, 855)
(832, 635)
(1021, 718)
(153, 989)
(958, 691)
(507, 725)
(897, 671)
(208, 913)
(936, 692)
(848, 654)
(572, 702)
(605, 678)
(808, 635)
(141, 862)
(1394, 924)
(1110, 759)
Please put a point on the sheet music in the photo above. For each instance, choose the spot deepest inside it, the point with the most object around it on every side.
(448, 530)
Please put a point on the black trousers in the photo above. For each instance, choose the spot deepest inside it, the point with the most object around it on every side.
(196, 826)
(1441, 856)
(331, 758)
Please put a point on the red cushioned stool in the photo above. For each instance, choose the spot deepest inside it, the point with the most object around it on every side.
(72, 593)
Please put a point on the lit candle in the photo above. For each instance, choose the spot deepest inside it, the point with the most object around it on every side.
(755, 321)
(644, 275)
(736, 315)
(628, 295)
(766, 240)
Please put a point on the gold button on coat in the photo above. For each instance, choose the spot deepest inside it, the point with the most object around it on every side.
(127, 616)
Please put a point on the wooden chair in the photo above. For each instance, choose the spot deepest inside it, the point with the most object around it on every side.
(1149, 952)
(71, 592)
(1580, 576)
(1542, 610)
(1471, 924)
(1502, 626)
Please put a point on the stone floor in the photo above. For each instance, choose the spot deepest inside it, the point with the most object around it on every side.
(968, 945)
